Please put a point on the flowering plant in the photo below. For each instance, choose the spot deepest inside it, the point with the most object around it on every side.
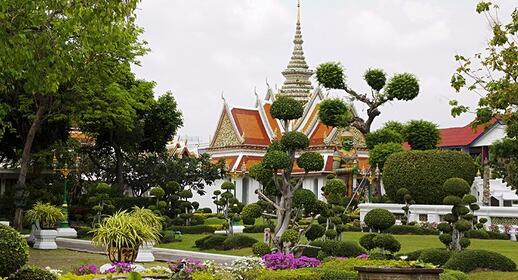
(56, 272)
(120, 267)
(87, 269)
(158, 270)
(276, 261)
(182, 268)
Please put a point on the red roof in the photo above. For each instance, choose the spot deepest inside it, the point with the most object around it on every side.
(462, 136)
(249, 123)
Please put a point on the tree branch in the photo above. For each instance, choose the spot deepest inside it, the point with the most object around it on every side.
(267, 199)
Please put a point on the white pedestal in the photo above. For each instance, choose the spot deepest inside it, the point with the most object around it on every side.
(45, 239)
(67, 232)
(512, 234)
(145, 253)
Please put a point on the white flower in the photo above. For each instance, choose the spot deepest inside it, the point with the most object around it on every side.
(403, 257)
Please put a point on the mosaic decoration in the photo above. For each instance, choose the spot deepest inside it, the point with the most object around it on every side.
(226, 135)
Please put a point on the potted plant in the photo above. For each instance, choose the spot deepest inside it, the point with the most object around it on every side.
(45, 217)
(148, 217)
(122, 234)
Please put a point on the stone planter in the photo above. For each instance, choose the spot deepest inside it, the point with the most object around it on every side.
(67, 232)
(145, 253)
(400, 273)
(45, 239)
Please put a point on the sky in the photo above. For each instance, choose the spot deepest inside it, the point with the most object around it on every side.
(203, 48)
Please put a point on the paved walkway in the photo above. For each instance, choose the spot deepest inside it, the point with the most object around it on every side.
(161, 254)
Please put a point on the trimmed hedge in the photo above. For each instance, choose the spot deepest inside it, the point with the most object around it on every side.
(257, 228)
(238, 241)
(470, 260)
(424, 172)
(453, 275)
(14, 251)
(436, 256)
(214, 241)
(407, 229)
(32, 273)
(333, 248)
(477, 233)
(197, 229)
(379, 219)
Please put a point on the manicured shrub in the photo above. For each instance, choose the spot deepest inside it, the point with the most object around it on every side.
(386, 242)
(197, 229)
(290, 235)
(350, 263)
(367, 241)
(311, 161)
(294, 140)
(32, 273)
(286, 108)
(333, 248)
(257, 228)
(498, 235)
(251, 212)
(214, 241)
(313, 252)
(470, 260)
(331, 233)
(408, 229)
(260, 249)
(14, 251)
(315, 231)
(436, 256)
(379, 219)
(276, 160)
(453, 275)
(238, 241)
(412, 256)
(477, 233)
(288, 274)
(424, 172)
(167, 236)
(335, 274)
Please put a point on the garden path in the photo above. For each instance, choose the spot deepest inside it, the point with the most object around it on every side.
(161, 254)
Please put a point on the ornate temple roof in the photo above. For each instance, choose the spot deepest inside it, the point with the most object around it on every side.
(297, 73)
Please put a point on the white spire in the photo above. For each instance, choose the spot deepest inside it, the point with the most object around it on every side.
(297, 74)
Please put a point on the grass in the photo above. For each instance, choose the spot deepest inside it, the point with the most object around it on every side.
(68, 260)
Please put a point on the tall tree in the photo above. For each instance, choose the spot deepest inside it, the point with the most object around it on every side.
(331, 75)
(493, 75)
(57, 48)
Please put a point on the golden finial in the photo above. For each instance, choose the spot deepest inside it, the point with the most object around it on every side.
(298, 11)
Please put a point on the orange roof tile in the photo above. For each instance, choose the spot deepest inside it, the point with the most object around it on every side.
(273, 123)
(249, 123)
(320, 133)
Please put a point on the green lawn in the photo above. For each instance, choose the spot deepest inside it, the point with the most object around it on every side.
(68, 261)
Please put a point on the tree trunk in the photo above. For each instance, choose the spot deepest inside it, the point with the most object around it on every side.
(24, 163)
(119, 178)
(486, 192)
(283, 216)
(455, 240)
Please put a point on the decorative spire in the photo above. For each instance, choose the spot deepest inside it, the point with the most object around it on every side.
(297, 74)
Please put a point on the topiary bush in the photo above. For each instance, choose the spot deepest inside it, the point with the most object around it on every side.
(238, 241)
(286, 108)
(260, 249)
(314, 232)
(386, 242)
(453, 275)
(32, 273)
(436, 256)
(423, 173)
(477, 233)
(291, 236)
(214, 241)
(14, 251)
(379, 219)
(407, 229)
(333, 248)
(367, 241)
(470, 260)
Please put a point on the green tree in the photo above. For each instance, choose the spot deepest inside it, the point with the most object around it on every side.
(493, 75)
(379, 154)
(229, 205)
(422, 135)
(60, 50)
(331, 75)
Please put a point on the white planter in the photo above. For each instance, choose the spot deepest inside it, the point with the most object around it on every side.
(145, 253)
(67, 232)
(45, 239)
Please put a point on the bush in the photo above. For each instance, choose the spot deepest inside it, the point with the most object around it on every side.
(197, 229)
(335, 274)
(32, 273)
(286, 108)
(127, 203)
(83, 232)
(407, 229)
(413, 256)
(260, 249)
(290, 235)
(238, 241)
(257, 228)
(424, 172)
(387, 242)
(470, 260)
(453, 275)
(167, 236)
(312, 252)
(333, 248)
(379, 219)
(498, 235)
(214, 241)
(477, 233)
(14, 251)
(436, 256)
(288, 274)
(314, 232)
(367, 241)
(349, 264)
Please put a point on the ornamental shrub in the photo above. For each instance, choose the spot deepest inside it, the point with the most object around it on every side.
(386, 242)
(197, 229)
(402, 87)
(333, 248)
(251, 211)
(260, 249)
(14, 251)
(382, 136)
(238, 241)
(367, 241)
(294, 140)
(436, 256)
(375, 78)
(275, 261)
(214, 241)
(314, 232)
(477, 233)
(290, 235)
(335, 274)
(422, 135)
(379, 219)
(313, 252)
(470, 260)
(407, 229)
(379, 154)
(311, 161)
(334, 112)
(286, 108)
(453, 275)
(288, 274)
(32, 273)
(257, 228)
(276, 160)
(423, 173)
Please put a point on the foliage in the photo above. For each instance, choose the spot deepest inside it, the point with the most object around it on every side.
(260, 249)
(423, 173)
(334, 112)
(367, 241)
(276, 160)
(238, 241)
(100, 201)
(251, 211)
(383, 136)
(294, 140)
(257, 228)
(379, 154)
(311, 161)
(492, 74)
(331, 75)
(379, 219)
(275, 261)
(229, 205)
(32, 273)
(124, 229)
(422, 135)
(48, 216)
(14, 251)
(408, 229)
(214, 241)
(470, 260)
(334, 248)
(286, 108)
(436, 256)
(316, 231)
(453, 275)
(290, 236)
(386, 242)
(197, 229)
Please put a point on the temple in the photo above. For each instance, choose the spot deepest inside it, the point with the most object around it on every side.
(243, 134)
